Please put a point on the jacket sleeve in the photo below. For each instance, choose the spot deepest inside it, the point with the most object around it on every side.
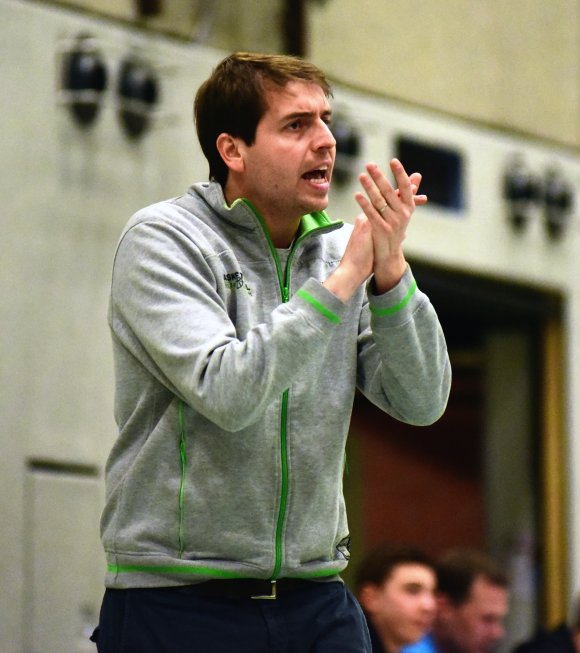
(403, 364)
(166, 311)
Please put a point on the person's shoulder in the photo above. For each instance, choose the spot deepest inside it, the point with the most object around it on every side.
(175, 210)
(558, 640)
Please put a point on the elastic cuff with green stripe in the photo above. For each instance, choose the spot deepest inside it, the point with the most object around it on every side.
(399, 306)
(319, 306)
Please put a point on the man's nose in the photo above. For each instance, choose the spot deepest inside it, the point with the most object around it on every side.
(324, 138)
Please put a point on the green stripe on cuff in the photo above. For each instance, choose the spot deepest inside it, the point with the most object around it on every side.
(397, 307)
(318, 306)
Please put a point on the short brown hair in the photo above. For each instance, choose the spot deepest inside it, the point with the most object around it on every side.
(377, 566)
(459, 568)
(231, 100)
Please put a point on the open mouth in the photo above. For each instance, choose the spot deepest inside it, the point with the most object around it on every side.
(318, 175)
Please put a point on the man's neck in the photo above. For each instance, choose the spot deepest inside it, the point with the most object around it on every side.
(283, 238)
(389, 646)
(282, 230)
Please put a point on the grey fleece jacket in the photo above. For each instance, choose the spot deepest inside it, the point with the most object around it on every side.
(235, 381)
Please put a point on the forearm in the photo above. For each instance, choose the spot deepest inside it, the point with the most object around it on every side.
(344, 282)
(404, 365)
(388, 272)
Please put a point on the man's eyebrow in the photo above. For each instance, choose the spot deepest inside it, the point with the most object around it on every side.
(306, 114)
(414, 584)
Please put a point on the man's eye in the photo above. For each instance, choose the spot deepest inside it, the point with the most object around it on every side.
(294, 125)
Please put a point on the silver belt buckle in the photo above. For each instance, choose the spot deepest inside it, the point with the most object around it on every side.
(267, 597)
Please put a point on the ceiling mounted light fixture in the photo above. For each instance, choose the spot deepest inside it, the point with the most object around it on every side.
(83, 80)
(137, 96)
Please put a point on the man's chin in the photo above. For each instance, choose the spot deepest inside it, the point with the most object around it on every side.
(319, 204)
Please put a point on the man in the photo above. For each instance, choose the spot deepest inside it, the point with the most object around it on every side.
(395, 586)
(472, 603)
(241, 324)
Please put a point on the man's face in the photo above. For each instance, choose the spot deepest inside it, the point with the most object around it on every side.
(475, 626)
(287, 169)
(402, 608)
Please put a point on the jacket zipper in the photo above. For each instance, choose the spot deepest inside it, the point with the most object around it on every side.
(284, 486)
(284, 282)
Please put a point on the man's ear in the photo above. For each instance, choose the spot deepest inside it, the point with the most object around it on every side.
(230, 151)
(444, 605)
(368, 596)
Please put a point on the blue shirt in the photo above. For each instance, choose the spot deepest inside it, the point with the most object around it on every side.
(425, 645)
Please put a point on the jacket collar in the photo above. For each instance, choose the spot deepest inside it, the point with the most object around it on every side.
(244, 215)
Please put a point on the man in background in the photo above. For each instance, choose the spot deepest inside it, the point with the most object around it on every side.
(395, 586)
(472, 603)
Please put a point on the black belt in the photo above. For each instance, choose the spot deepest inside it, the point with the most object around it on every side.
(249, 588)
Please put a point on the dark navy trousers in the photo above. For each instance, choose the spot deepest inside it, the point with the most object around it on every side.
(322, 618)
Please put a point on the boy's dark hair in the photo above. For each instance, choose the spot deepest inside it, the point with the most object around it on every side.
(232, 101)
(459, 568)
(379, 564)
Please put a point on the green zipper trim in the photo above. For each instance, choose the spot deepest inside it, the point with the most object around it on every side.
(318, 574)
(397, 307)
(284, 281)
(284, 484)
(333, 317)
(174, 569)
(200, 571)
(183, 456)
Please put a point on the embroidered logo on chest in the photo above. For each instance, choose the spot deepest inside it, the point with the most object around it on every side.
(235, 281)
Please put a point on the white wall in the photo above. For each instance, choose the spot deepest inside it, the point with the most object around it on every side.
(66, 194)
(503, 63)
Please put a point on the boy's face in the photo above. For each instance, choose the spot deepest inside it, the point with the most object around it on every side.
(402, 608)
(287, 170)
